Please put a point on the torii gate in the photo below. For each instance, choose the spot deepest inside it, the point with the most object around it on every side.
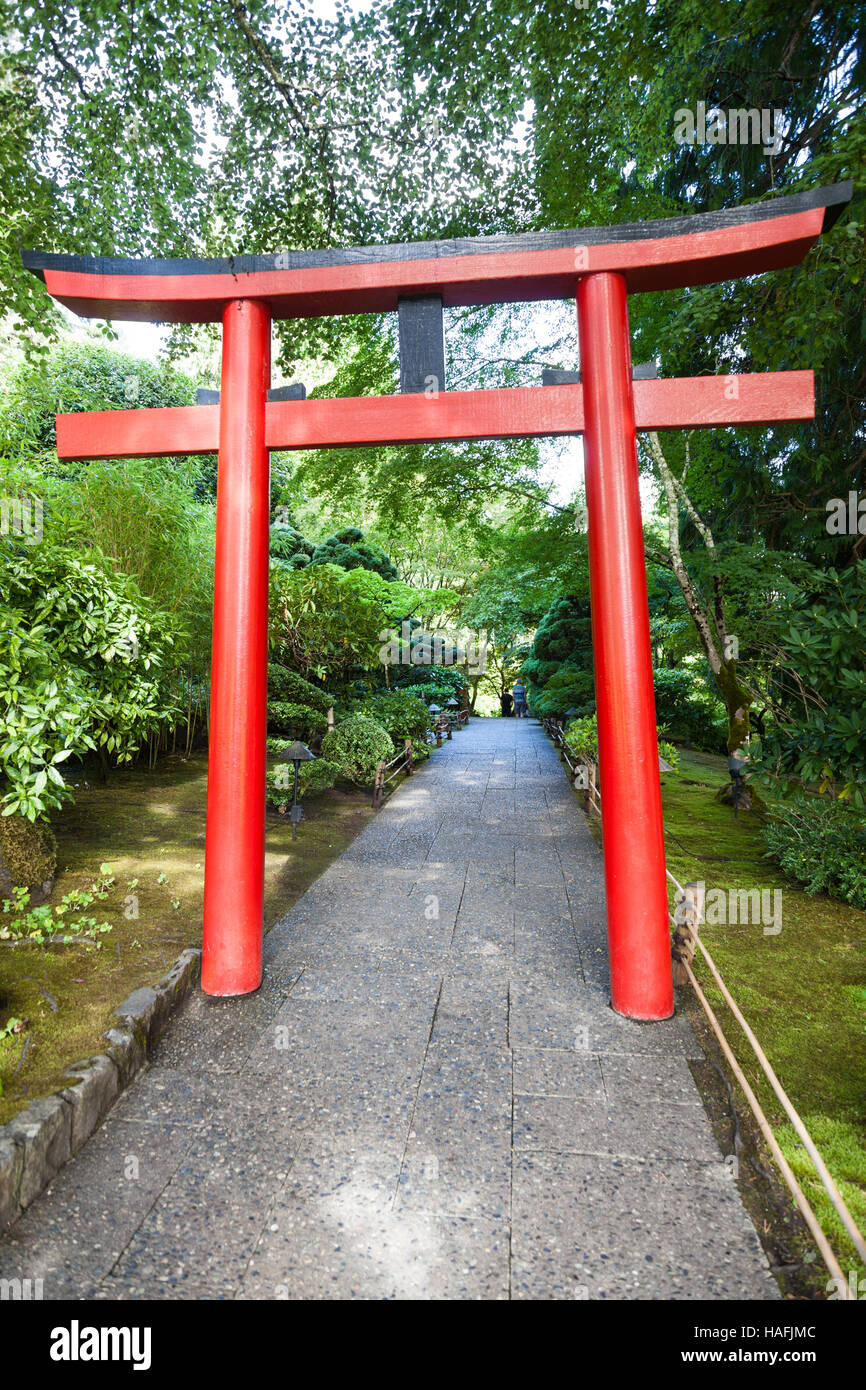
(601, 266)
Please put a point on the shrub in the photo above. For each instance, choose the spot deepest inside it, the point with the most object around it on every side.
(296, 707)
(431, 694)
(821, 844)
(668, 750)
(83, 662)
(349, 549)
(284, 684)
(404, 715)
(582, 736)
(689, 710)
(295, 721)
(825, 741)
(288, 547)
(569, 688)
(558, 669)
(432, 683)
(356, 746)
(318, 776)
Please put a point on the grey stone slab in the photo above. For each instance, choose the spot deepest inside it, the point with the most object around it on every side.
(217, 1035)
(454, 1179)
(565, 1124)
(540, 960)
(665, 1080)
(177, 1285)
(203, 1239)
(578, 1016)
(548, 1072)
(410, 961)
(609, 1229)
(73, 1235)
(542, 912)
(345, 1241)
(472, 1009)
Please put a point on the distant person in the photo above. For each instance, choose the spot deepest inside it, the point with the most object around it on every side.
(518, 690)
(506, 703)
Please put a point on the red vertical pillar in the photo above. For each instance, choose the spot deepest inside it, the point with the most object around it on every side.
(235, 845)
(634, 855)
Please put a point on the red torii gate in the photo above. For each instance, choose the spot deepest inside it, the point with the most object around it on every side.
(601, 266)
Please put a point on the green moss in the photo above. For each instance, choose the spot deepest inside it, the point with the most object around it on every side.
(150, 828)
(29, 850)
(841, 1145)
(801, 990)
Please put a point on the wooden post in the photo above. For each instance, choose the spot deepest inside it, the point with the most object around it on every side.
(379, 786)
(688, 915)
(592, 792)
(408, 762)
(438, 732)
(331, 715)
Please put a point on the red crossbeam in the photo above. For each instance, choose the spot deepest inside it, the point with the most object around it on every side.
(680, 403)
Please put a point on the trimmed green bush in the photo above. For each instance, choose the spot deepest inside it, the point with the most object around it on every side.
(403, 715)
(558, 669)
(436, 683)
(295, 721)
(821, 844)
(318, 776)
(582, 737)
(288, 547)
(356, 746)
(284, 684)
(350, 550)
(296, 707)
(568, 688)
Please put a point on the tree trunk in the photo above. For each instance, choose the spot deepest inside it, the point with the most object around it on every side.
(737, 705)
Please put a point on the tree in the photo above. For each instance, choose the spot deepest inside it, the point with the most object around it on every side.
(709, 615)
(83, 661)
(181, 129)
(333, 625)
(558, 670)
(819, 736)
(350, 551)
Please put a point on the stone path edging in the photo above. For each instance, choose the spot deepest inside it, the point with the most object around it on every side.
(37, 1142)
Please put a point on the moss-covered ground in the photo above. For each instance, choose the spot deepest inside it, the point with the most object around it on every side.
(149, 827)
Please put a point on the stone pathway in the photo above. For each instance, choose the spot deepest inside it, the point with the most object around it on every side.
(430, 1096)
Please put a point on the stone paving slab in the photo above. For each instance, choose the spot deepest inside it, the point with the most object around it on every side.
(613, 1228)
(430, 1096)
